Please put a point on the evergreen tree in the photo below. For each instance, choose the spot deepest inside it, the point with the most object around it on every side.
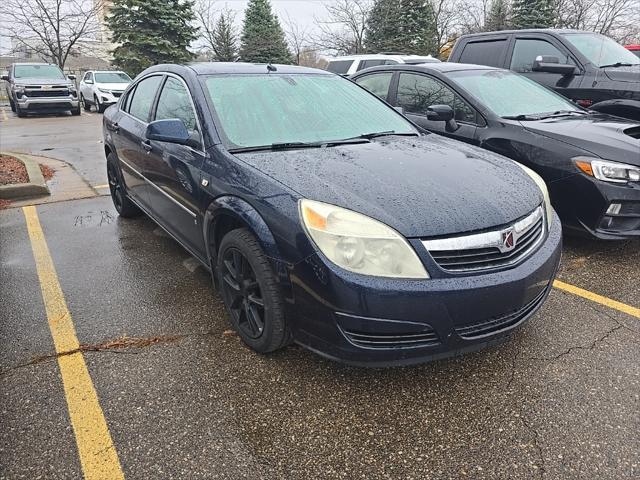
(263, 39)
(149, 32)
(406, 26)
(225, 40)
(532, 13)
(498, 18)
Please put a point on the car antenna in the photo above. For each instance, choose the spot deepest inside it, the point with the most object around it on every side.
(271, 68)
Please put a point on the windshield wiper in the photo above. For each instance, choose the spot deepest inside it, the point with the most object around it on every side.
(522, 117)
(542, 116)
(293, 145)
(619, 64)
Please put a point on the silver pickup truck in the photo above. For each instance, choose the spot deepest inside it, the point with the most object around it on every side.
(38, 87)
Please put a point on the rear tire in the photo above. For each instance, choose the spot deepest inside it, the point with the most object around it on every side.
(251, 292)
(125, 207)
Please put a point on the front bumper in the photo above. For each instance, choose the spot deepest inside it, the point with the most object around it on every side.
(584, 208)
(48, 103)
(108, 98)
(385, 322)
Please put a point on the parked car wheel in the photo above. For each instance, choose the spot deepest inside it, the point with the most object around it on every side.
(251, 293)
(12, 105)
(99, 107)
(124, 206)
(20, 112)
(76, 111)
(85, 105)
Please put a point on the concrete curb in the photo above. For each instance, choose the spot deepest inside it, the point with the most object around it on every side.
(34, 188)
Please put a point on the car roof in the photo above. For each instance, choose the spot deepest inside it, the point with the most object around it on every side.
(105, 71)
(209, 68)
(375, 56)
(526, 30)
(34, 63)
(442, 67)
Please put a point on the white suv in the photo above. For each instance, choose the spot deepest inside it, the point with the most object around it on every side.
(102, 88)
(350, 64)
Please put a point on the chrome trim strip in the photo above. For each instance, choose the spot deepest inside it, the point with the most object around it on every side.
(193, 214)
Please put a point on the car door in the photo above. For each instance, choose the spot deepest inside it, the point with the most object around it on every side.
(128, 133)
(174, 169)
(416, 92)
(377, 83)
(84, 86)
(525, 49)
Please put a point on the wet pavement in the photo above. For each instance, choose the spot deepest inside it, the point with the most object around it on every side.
(560, 400)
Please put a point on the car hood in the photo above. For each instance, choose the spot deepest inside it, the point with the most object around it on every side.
(422, 187)
(603, 135)
(624, 74)
(119, 87)
(43, 81)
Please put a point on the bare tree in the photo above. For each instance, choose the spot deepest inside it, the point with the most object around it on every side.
(298, 38)
(343, 28)
(218, 31)
(51, 28)
(447, 19)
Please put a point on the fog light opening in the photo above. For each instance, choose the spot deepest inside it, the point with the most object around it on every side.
(614, 209)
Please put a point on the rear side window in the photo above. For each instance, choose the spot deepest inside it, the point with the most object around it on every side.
(376, 83)
(175, 102)
(339, 66)
(527, 49)
(145, 92)
(488, 52)
(370, 63)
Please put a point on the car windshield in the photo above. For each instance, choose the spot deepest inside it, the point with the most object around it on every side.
(113, 77)
(508, 94)
(601, 50)
(258, 110)
(38, 71)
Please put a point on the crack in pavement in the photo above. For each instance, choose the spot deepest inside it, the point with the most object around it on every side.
(590, 347)
(111, 346)
(536, 444)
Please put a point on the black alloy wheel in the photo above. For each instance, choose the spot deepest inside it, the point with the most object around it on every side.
(243, 293)
(251, 292)
(125, 207)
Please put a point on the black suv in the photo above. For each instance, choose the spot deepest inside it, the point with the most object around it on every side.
(589, 68)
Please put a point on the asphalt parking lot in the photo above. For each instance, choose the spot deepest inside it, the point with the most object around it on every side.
(169, 392)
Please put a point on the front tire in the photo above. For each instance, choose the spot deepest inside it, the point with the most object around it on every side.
(76, 111)
(125, 207)
(21, 113)
(251, 293)
(85, 105)
(99, 107)
(12, 105)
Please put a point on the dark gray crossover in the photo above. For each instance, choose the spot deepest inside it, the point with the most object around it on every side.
(326, 217)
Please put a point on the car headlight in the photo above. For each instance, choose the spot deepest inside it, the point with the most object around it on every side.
(104, 90)
(18, 88)
(608, 171)
(358, 243)
(545, 192)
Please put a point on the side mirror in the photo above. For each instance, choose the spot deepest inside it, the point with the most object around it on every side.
(172, 130)
(5, 78)
(442, 113)
(71, 77)
(88, 82)
(551, 64)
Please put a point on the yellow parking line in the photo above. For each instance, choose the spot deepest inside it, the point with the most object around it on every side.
(4, 114)
(104, 185)
(98, 456)
(594, 297)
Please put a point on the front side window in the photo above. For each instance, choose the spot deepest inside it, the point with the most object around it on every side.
(376, 83)
(260, 110)
(113, 77)
(508, 94)
(601, 50)
(145, 92)
(527, 49)
(175, 102)
(52, 72)
(418, 92)
(87, 76)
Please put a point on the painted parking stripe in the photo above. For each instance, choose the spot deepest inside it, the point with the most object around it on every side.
(4, 114)
(104, 185)
(98, 456)
(594, 297)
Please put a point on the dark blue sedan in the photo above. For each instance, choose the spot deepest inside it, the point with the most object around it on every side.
(326, 217)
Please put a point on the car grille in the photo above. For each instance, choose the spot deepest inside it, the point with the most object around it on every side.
(117, 94)
(497, 324)
(426, 338)
(487, 250)
(55, 92)
(633, 132)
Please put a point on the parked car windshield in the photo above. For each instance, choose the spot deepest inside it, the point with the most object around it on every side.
(38, 71)
(601, 50)
(258, 110)
(112, 77)
(508, 94)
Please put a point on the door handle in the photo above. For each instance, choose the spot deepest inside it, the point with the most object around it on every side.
(146, 145)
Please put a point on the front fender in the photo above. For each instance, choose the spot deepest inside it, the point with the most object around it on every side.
(620, 107)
